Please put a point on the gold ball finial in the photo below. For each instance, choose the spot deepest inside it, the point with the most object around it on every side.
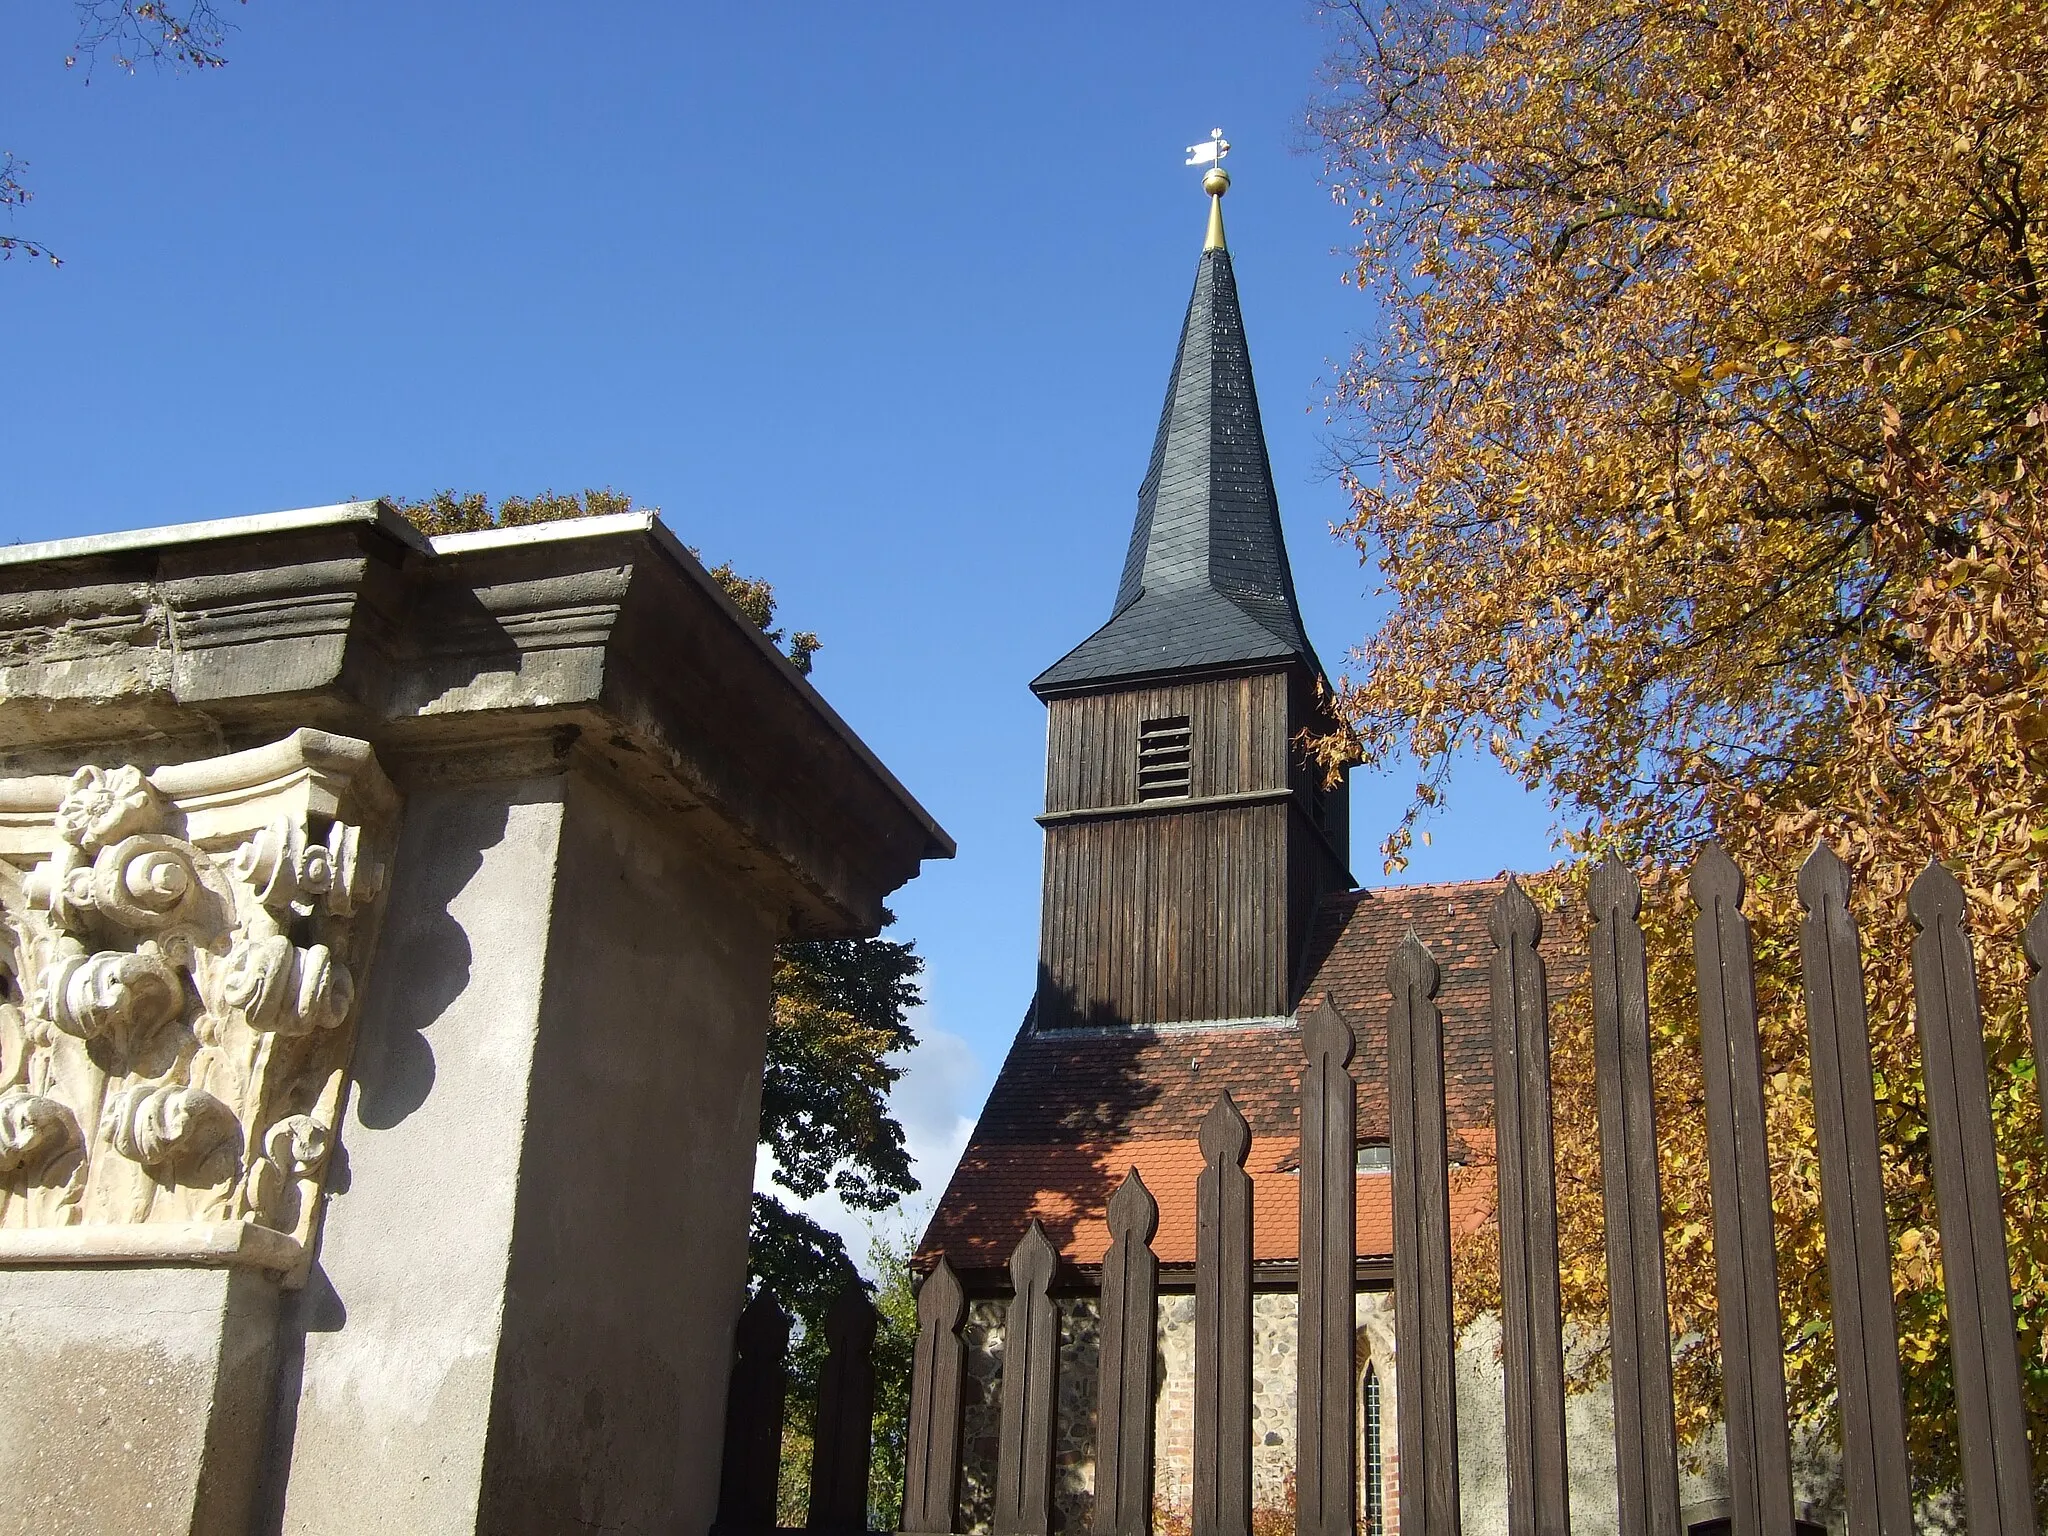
(1215, 182)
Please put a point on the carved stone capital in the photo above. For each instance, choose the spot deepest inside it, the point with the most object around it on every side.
(178, 953)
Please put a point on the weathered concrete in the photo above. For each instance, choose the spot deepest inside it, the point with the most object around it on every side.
(135, 1399)
(641, 1134)
(614, 799)
(540, 1180)
(390, 1353)
(176, 643)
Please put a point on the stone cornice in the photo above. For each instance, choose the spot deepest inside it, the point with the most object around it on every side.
(605, 633)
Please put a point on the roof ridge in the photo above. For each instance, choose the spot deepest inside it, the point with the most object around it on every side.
(1481, 883)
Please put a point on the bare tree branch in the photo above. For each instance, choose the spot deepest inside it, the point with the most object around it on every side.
(186, 35)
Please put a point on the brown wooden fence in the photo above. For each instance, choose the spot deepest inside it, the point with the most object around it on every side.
(1996, 1472)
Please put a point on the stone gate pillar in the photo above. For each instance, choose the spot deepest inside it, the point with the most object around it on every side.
(385, 938)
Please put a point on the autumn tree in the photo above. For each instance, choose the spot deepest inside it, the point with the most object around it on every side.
(1699, 446)
(841, 1006)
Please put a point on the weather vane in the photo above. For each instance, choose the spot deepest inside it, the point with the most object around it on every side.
(1215, 182)
(1211, 154)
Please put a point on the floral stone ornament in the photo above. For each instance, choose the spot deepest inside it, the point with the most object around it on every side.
(178, 962)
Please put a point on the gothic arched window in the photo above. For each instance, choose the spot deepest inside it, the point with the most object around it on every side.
(1375, 1457)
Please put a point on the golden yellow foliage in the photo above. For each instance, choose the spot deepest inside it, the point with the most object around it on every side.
(1701, 451)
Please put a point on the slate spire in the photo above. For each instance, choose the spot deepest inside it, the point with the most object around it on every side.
(1206, 583)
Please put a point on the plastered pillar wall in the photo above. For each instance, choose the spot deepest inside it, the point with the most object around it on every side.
(389, 1355)
(553, 1127)
(386, 930)
(137, 1398)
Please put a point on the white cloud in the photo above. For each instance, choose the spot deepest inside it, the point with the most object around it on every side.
(936, 1101)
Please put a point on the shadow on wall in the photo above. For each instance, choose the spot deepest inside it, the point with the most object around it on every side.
(1061, 1007)
(423, 953)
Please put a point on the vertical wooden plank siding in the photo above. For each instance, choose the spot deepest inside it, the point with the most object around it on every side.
(1171, 910)
(931, 1463)
(1739, 1169)
(841, 1449)
(1984, 1353)
(1124, 1406)
(1875, 1471)
(1532, 1346)
(1645, 1435)
(1326, 1451)
(1424, 1341)
(753, 1417)
(1152, 918)
(1031, 1359)
(1223, 1326)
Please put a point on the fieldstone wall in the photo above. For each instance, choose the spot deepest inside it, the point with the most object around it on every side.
(1074, 1428)
(981, 1412)
(1273, 1345)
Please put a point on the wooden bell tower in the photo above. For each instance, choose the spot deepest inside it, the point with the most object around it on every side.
(1187, 843)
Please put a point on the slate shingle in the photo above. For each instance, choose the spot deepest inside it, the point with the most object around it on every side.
(1206, 582)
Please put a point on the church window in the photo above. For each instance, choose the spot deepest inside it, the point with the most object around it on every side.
(1375, 1458)
(1165, 758)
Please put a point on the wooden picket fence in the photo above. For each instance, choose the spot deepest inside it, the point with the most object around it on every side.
(1991, 1422)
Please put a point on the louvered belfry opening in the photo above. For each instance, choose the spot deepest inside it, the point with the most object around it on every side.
(1165, 758)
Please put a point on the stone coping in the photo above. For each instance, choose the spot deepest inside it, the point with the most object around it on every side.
(551, 532)
(218, 528)
(208, 1244)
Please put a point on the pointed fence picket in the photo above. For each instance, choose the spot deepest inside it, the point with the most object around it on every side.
(1326, 1450)
(1130, 1325)
(753, 1416)
(1645, 1433)
(1425, 1342)
(842, 1451)
(1223, 1326)
(938, 1377)
(1875, 1476)
(1532, 1325)
(1991, 1418)
(1997, 1475)
(1739, 1173)
(1031, 1361)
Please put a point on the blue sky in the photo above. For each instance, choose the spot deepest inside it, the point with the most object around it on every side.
(876, 302)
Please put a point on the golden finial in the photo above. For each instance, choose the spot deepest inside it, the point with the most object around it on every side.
(1215, 182)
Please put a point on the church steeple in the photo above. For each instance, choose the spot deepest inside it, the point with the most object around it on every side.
(1187, 839)
(1206, 582)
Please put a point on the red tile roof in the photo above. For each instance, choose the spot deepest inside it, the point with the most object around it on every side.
(1072, 1110)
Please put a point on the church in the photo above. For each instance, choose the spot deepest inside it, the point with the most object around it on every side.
(1198, 896)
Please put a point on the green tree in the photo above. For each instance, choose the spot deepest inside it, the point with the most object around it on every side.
(1701, 446)
(840, 1012)
(895, 1346)
(895, 1299)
